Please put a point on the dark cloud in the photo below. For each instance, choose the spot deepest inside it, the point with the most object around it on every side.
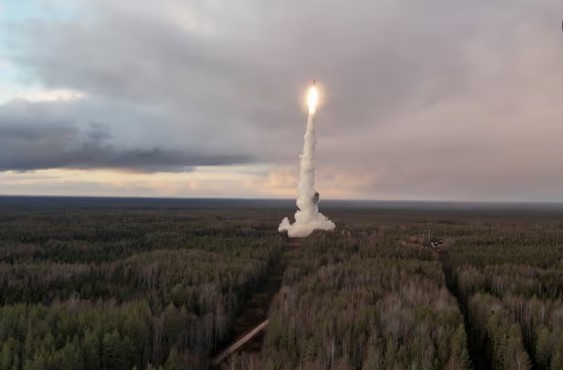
(25, 148)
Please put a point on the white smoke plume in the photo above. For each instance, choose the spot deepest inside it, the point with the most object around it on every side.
(307, 218)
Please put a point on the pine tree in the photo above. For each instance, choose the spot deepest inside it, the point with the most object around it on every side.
(70, 358)
(112, 355)
(174, 361)
(9, 354)
(91, 351)
(544, 348)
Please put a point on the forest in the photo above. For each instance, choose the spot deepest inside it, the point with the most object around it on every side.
(103, 284)
(105, 288)
(510, 279)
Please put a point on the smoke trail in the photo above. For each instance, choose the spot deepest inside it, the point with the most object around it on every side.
(307, 218)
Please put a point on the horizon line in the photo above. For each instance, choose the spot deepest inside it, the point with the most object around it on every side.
(283, 199)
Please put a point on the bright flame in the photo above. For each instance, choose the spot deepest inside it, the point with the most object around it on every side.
(313, 99)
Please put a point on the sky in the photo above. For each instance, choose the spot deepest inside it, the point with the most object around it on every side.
(421, 100)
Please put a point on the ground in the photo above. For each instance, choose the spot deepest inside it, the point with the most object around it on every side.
(149, 283)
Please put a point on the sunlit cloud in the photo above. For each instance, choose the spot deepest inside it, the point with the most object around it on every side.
(35, 95)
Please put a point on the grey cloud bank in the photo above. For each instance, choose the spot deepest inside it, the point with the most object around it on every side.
(49, 138)
(430, 99)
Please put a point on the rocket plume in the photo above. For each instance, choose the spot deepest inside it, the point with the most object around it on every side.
(307, 218)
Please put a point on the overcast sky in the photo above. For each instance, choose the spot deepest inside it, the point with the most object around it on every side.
(422, 100)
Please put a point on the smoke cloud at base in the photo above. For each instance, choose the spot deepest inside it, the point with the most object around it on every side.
(304, 226)
(307, 218)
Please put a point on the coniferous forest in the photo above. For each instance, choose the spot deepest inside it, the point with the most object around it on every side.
(163, 284)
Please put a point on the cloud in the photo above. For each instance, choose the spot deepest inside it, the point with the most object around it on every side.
(32, 146)
(432, 100)
(38, 95)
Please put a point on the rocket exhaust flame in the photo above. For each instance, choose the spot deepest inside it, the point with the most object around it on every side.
(307, 218)
(312, 99)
